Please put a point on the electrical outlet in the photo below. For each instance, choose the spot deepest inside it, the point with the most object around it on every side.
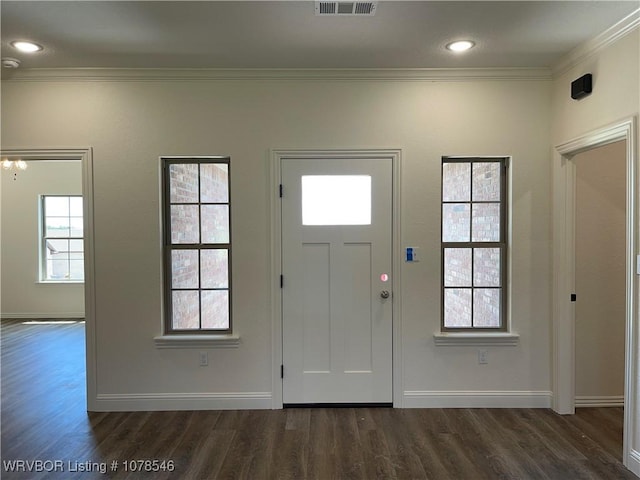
(204, 359)
(483, 357)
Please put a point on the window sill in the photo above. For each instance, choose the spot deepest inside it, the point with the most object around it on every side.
(60, 282)
(492, 339)
(197, 341)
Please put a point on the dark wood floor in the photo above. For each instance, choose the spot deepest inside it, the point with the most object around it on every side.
(44, 418)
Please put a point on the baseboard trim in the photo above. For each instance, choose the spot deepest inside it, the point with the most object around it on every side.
(633, 462)
(339, 405)
(40, 316)
(109, 402)
(610, 401)
(477, 399)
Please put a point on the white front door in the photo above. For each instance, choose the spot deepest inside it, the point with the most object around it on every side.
(337, 283)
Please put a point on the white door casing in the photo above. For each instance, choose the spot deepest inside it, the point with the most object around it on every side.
(337, 327)
(564, 276)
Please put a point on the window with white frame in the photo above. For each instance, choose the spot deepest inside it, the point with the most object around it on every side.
(474, 243)
(62, 242)
(197, 245)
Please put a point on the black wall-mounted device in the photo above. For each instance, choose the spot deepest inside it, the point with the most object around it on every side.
(581, 87)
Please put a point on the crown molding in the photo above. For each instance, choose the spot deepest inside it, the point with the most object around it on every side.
(610, 36)
(205, 75)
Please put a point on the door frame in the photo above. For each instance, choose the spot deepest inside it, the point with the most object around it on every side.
(275, 168)
(564, 209)
(85, 157)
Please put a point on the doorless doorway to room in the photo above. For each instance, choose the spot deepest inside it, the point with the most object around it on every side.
(66, 243)
(564, 281)
(600, 275)
(333, 252)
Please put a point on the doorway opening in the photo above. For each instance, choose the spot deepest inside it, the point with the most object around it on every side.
(600, 275)
(56, 189)
(564, 280)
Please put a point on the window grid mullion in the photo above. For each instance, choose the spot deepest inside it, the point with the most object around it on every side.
(199, 288)
(446, 202)
(199, 249)
(473, 321)
(199, 207)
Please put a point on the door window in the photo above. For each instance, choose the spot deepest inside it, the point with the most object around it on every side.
(336, 200)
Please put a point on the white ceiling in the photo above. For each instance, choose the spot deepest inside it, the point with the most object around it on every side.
(268, 34)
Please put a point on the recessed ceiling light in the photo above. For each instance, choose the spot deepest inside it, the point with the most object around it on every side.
(460, 46)
(27, 47)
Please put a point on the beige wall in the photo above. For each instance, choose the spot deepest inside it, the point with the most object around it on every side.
(131, 124)
(615, 94)
(600, 271)
(21, 294)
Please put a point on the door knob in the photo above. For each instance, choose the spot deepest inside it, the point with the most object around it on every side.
(384, 293)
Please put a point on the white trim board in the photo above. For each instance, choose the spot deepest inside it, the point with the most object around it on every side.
(634, 462)
(482, 339)
(608, 401)
(625, 26)
(477, 399)
(197, 341)
(270, 74)
(113, 402)
(40, 315)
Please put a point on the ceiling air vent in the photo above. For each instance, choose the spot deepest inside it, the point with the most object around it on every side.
(346, 8)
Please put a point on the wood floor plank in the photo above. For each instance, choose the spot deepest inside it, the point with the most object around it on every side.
(597, 460)
(366, 419)
(298, 419)
(420, 430)
(44, 418)
(405, 461)
(376, 455)
(290, 458)
(322, 433)
(407, 464)
(348, 449)
(522, 430)
(271, 424)
(472, 447)
(207, 457)
(507, 440)
(197, 429)
(595, 423)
